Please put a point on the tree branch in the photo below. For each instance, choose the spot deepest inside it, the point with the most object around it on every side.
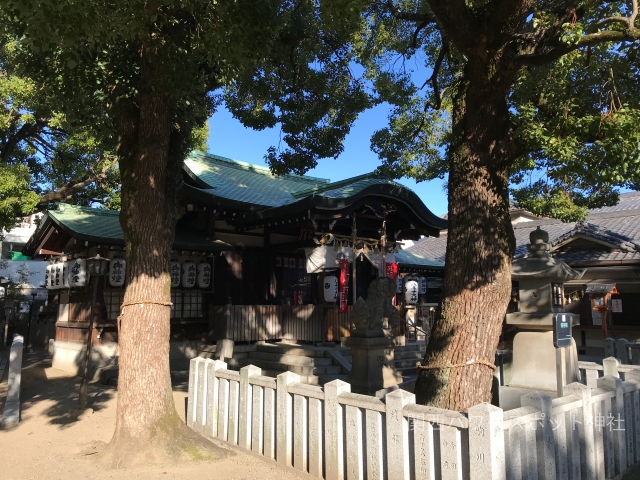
(417, 17)
(66, 190)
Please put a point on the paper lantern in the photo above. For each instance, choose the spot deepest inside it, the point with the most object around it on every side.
(398, 284)
(58, 277)
(66, 280)
(175, 271)
(78, 272)
(117, 272)
(189, 274)
(48, 279)
(423, 285)
(411, 289)
(330, 288)
(204, 275)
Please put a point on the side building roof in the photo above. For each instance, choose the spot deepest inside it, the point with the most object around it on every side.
(608, 234)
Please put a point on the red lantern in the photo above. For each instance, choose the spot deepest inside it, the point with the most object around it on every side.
(344, 285)
(392, 271)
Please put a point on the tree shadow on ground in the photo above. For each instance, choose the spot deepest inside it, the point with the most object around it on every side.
(41, 383)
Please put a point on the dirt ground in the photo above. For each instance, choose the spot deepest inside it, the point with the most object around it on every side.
(50, 444)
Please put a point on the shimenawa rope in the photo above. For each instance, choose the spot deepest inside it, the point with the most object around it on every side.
(457, 365)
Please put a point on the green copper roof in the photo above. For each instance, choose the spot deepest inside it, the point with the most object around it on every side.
(247, 183)
(100, 225)
(87, 221)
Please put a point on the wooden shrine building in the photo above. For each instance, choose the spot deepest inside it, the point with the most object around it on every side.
(267, 242)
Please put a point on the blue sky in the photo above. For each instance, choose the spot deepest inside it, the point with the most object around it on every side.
(228, 138)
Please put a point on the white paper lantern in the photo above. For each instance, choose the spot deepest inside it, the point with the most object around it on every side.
(117, 272)
(204, 275)
(423, 285)
(330, 288)
(411, 289)
(3, 293)
(189, 274)
(78, 272)
(48, 279)
(398, 284)
(175, 270)
(58, 277)
(66, 281)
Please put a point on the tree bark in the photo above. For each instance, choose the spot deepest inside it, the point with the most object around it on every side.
(480, 247)
(150, 152)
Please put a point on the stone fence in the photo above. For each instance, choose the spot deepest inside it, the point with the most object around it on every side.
(11, 412)
(331, 433)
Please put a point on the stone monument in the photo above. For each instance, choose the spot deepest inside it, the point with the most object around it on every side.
(537, 363)
(372, 345)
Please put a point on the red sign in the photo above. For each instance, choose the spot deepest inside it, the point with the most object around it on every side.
(344, 285)
(391, 270)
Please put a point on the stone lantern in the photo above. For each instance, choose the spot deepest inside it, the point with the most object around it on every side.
(538, 363)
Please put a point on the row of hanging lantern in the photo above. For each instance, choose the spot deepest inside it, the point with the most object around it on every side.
(413, 286)
(74, 273)
(189, 274)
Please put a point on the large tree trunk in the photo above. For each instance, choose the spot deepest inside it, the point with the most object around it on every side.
(480, 246)
(148, 428)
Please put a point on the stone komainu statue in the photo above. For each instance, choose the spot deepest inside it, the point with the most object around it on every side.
(368, 314)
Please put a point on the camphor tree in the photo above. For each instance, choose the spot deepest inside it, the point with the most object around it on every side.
(149, 69)
(537, 94)
(44, 155)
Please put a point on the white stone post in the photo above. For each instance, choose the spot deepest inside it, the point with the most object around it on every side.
(192, 396)
(616, 424)
(334, 429)
(622, 350)
(11, 412)
(316, 448)
(270, 423)
(213, 389)
(398, 466)
(582, 426)
(234, 393)
(635, 411)
(374, 445)
(355, 444)
(300, 432)
(545, 441)
(223, 409)
(257, 421)
(452, 462)
(201, 392)
(486, 443)
(610, 367)
(244, 430)
(284, 422)
(591, 377)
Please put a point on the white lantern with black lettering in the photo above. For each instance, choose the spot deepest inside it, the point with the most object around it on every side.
(175, 271)
(66, 280)
(398, 284)
(49, 277)
(189, 274)
(117, 272)
(411, 289)
(330, 288)
(204, 275)
(78, 272)
(423, 285)
(58, 278)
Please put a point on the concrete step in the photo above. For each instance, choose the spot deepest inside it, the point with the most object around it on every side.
(419, 354)
(307, 351)
(407, 371)
(405, 363)
(413, 346)
(299, 369)
(287, 359)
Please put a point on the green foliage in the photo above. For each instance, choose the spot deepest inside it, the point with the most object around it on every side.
(15, 195)
(576, 115)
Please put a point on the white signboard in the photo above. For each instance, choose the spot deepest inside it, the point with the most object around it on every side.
(616, 305)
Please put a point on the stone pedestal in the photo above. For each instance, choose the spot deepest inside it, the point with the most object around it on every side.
(373, 366)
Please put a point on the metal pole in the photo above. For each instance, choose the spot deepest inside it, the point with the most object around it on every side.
(82, 402)
(354, 265)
